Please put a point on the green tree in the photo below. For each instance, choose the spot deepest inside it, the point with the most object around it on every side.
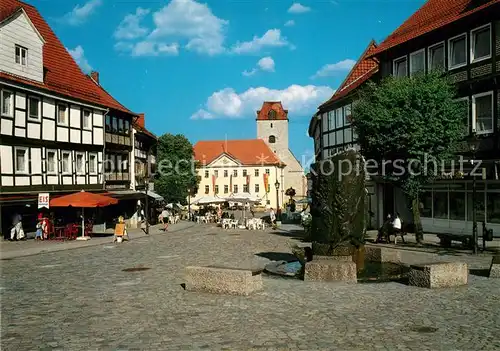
(176, 175)
(413, 123)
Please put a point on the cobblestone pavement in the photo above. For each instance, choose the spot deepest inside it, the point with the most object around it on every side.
(82, 300)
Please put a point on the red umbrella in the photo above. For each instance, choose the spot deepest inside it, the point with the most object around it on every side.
(83, 199)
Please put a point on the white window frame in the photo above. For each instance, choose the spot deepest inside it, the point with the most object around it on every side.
(410, 63)
(474, 117)
(346, 121)
(26, 160)
(466, 98)
(429, 55)
(65, 115)
(450, 67)
(396, 60)
(21, 49)
(11, 112)
(472, 59)
(89, 127)
(56, 163)
(70, 168)
(30, 116)
(78, 171)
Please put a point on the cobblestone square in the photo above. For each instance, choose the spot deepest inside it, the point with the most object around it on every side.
(83, 300)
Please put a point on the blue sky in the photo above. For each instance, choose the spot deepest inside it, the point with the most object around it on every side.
(202, 68)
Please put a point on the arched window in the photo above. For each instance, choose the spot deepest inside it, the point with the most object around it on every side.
(271, 114)
(272, 139)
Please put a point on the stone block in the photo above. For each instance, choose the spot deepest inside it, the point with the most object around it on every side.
(220, 280)
(331, 271)
(382, 254)
(495, 267)
(439, 275)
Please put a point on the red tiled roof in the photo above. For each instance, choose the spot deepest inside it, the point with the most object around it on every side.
(365, 68)
(432, 15)
(263, 113)
(61, 73)
(247, 152)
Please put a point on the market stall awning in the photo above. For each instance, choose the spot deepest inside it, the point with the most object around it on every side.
(154, 195)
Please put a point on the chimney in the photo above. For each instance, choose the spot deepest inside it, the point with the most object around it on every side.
(141, 120)
(95, 76)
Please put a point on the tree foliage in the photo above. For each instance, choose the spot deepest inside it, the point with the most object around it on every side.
(176, 174)
(410, 123)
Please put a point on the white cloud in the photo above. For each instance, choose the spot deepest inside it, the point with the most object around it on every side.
(266, 64)
(298, 8)
(80, 14)
(290, 23)
(191, 21)
(130, 27)
(271, 38)
(202, 114)
(299, 100)
(148, 48)
(249, 73)
(78, 55)
(334, 68)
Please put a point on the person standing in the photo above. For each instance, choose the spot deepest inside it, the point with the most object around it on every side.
(272, 216)
(397, 226)
(17, 232)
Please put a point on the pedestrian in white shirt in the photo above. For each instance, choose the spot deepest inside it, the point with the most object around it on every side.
(396, 225)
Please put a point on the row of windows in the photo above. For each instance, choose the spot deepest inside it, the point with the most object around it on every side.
(117, 163)
(235, 188)
(483, 115)
(235, 173)
(34, 110)
(457, 205)
(479, 49)
(117, 125)
(22, 162)
(337, 118)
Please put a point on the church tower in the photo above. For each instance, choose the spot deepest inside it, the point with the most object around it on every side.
(272, 126)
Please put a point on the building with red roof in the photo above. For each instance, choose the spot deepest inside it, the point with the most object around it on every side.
(331, 125)
(61, 131)
(264, 166)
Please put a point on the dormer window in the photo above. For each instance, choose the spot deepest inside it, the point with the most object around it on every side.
(21, 55)
(272, 114)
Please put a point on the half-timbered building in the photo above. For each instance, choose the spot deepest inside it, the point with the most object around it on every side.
(52, 115)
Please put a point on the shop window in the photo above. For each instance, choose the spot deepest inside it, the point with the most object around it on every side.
(441, 205)
(457, 206)
(426, 204)
(480, 215)
(493, 208)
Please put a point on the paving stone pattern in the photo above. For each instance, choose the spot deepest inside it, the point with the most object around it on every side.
(82, 300)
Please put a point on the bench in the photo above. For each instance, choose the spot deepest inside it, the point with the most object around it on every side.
(223, 280)
(445, 240)
(439, 275)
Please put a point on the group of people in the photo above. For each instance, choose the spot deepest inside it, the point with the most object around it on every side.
(390, 227)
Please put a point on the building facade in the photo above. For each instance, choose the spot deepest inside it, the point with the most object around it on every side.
(238, 166)
(331, 127)
(58, 126)
(462, 39)
(143, 157)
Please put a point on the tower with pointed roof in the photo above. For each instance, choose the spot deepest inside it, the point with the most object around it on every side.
(272, 127)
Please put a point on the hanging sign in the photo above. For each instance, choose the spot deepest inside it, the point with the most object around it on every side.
(43, 200)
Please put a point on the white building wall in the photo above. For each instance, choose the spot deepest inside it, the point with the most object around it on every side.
(19, 31)
(269, 198)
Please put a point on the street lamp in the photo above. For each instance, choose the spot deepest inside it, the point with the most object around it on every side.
(277, 185)
(473, 143)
